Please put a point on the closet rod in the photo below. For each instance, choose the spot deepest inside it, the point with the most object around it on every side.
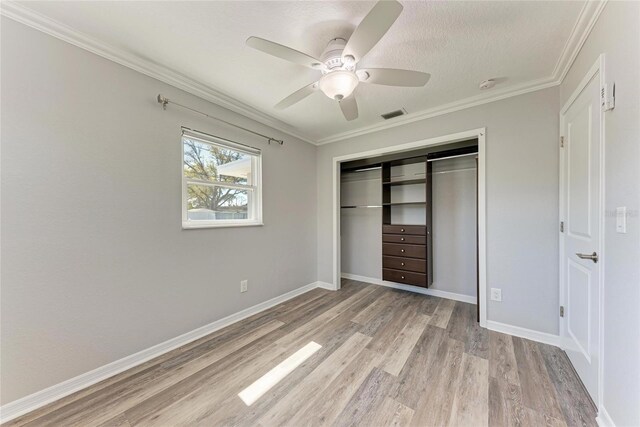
(164, 101)
(362, 206)
(366, 169)
(453, 170)
(452, 157)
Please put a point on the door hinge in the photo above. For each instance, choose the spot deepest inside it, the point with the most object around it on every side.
(562, 142)
(562, 226)
(561, 311)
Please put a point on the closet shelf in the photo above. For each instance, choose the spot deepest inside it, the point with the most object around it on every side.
(406, 182)
(403, 203)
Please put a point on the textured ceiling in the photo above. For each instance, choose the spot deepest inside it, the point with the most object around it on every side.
(459, 43)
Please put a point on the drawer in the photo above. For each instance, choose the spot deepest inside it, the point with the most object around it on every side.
(405, 264)
(417, 279)
(419, 230)
(400, 238)
(409, 251)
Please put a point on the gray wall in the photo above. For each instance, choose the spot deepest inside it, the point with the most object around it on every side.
(95, 265)
(522, 199)
(617, 35)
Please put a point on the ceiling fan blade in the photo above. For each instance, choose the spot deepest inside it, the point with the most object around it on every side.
(349, 108)
(284, 52)
(297, 96)
(371, 29)
(393, 77)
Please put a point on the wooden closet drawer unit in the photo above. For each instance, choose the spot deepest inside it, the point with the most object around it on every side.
(409, 251)
(400, 238)
(405, 264)
(420, 230)
(406, 277)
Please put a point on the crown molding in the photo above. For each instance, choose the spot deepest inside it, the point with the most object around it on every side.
(587, 18)
(582, 28)
(30, 18)
(440, 110)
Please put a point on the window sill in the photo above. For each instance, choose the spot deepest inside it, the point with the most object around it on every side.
(192, 226)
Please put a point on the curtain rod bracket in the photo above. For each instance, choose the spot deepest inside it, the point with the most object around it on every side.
(164, 101)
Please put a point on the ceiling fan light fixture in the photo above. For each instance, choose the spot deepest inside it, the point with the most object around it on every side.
(338, 84)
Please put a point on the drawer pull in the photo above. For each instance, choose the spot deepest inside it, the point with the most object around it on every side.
(402, 230)
(402, 250)
(402, 239)
(402, 264)
(402, 277)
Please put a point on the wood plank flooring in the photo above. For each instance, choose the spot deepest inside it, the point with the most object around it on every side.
(388, 358)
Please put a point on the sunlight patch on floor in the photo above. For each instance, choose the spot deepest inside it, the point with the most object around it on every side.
(263, 384)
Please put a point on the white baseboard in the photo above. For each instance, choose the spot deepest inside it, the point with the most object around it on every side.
(529, 334)
(325, 285)
(425, 291)
(44, 397)
(604, 419)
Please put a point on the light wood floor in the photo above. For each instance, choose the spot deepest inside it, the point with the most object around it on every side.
(388, 357)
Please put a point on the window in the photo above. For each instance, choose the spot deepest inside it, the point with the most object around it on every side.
(220, 182)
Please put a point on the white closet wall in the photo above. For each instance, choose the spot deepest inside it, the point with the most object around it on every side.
(454, 226)
(361, 228)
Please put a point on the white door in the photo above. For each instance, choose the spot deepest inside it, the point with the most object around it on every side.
(581, 214)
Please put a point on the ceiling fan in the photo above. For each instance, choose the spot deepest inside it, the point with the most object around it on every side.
(338, 63)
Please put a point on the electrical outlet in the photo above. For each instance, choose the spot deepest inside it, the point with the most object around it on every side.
(496, 294)
(243, 286)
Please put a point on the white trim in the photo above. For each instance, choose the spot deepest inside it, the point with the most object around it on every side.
(327, 286)
(582, 28)
(58, 391)
(193, 225)
(482, 223)
(441, 110)
(604, 419)
(586, 21)
(418, 290)
(597, 67)
(529, 334)
(21, 13)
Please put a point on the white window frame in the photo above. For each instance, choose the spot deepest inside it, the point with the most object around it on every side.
(254, 211)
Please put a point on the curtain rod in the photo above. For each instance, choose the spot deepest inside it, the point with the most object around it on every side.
(164, 101)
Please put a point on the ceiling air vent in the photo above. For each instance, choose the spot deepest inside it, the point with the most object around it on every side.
(393, 114)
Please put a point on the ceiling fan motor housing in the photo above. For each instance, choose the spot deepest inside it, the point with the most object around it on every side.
(332, 55)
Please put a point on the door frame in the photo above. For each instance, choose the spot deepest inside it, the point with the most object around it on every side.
(597, 67)
(481, 205)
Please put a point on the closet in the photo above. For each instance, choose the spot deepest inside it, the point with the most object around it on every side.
(410, 218)
(406, 221)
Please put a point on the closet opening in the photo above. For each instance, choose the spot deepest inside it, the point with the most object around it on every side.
(414, 220)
